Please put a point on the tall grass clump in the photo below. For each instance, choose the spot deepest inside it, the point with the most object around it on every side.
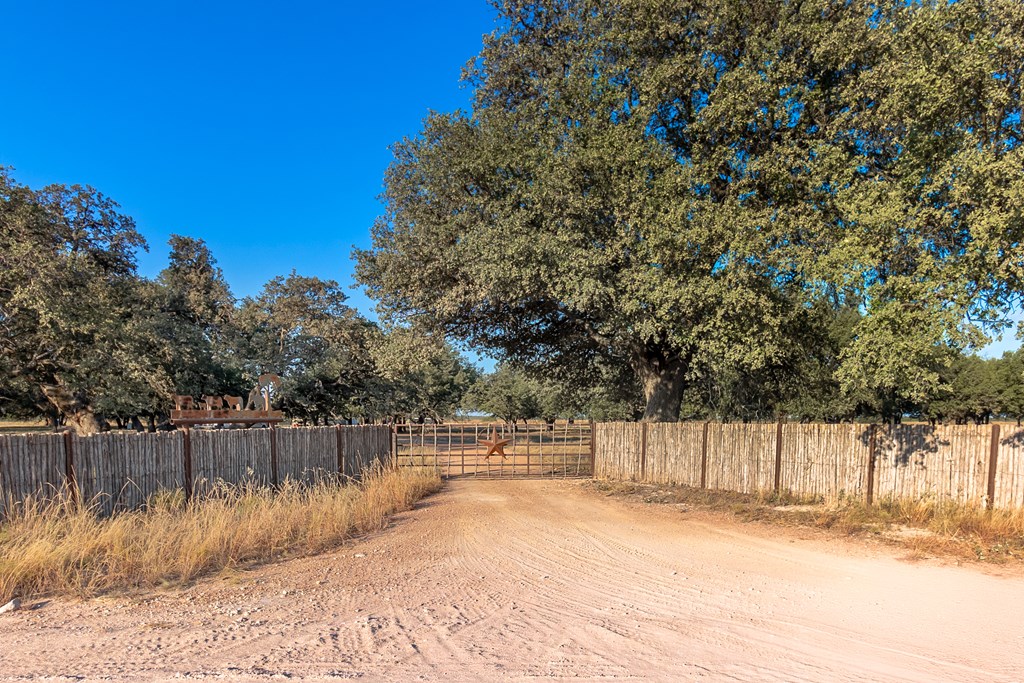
(51, 545)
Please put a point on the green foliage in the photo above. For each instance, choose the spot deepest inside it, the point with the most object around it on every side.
(506, 393)
(418, 376)
(67, 294)
(302, 329)
(971, 392)
(667, 186)
(1009, 373)
(85, 339)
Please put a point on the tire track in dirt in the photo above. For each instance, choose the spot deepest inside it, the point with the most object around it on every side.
(520, 580)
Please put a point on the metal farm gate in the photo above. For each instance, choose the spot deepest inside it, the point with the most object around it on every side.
(536, 449)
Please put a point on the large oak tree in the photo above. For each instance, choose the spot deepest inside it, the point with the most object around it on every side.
(67, 293)
(671, 185)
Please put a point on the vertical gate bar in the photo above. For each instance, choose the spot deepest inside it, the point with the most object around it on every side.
(541, 446)
(579, 447)
(527, 451)
(69, 467)
(186, 451)
(448, 460)
(515, 432)
(778, 457)
(476, 447)
(993, 462)
(462, 447)
(565, 450)
(871, 446)
(543, 429)
(704, 458)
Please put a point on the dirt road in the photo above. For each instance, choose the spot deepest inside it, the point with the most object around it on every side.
(517, 580)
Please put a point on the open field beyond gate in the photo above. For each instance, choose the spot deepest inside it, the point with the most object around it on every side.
(534, 449)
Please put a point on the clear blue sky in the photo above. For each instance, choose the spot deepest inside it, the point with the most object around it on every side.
(261, 128)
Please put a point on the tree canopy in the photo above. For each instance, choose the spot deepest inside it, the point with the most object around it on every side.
(85, 340)
(674, 187)
(67, 265)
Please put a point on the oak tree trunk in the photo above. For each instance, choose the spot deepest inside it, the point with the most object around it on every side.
(663, 381)
(77, 412)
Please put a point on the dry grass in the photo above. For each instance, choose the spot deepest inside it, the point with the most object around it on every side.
(925, 528)
(50, 546)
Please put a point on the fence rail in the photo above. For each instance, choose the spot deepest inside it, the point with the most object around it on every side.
(971, 465)
(122, 471)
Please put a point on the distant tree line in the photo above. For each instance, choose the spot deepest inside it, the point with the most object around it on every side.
(86, 342)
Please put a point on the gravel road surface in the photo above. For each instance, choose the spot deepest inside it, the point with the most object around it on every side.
(528, 580)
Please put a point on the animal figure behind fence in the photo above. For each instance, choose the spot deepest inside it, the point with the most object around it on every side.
(233, 402)
(213, 402)
(183, 402)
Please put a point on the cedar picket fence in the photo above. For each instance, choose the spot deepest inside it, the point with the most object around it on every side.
(122, 471)
(968, 465)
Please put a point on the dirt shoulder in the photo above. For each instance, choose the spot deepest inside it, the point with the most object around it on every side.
(517, 580)
(916, 533)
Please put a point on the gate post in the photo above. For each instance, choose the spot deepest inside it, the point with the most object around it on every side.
(593, 450)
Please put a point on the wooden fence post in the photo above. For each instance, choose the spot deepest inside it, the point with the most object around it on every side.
(643, 451)
(872, 446)
(339, 441)
(704, 457)
(273, 456)
(993, 461)
(186, 449)
(69, 466)
(593, 449)
(778, 458)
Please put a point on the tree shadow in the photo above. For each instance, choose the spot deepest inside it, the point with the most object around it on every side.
(1015, 439)
(904, 445)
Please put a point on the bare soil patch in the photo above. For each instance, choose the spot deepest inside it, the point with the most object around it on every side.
(527, 580)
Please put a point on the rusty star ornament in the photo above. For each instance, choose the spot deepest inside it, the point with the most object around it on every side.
(495, 446)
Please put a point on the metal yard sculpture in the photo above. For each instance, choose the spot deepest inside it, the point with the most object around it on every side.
(267, 387)
(224, 410)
